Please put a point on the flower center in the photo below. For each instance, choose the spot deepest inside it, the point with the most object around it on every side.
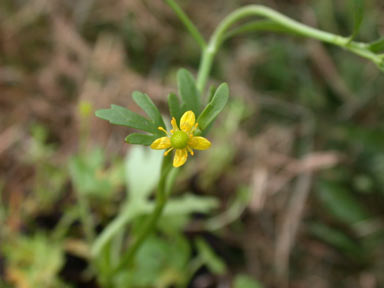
(179, 139)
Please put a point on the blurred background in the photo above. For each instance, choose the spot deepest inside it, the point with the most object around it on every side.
(291, 194)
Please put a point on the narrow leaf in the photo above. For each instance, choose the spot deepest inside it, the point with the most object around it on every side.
(377, 46)
(188, 91)
(174, 106)
(149, 107)
(211, 93)
(121, 116)
(214, 107)
(341, 203)
(358, 14)
(209, 257)
(142, 139)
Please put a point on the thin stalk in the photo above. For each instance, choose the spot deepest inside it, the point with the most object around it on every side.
(86, 217)
(113, 228)
(187, 23)
(258, 25)
(219, 36)
(162, 194)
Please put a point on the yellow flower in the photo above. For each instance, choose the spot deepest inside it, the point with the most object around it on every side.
(181, 139)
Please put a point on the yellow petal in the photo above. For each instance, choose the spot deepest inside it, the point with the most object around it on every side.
(174, 125)
(187, 121)
(180, 158)
(161, 143)
(199, 143)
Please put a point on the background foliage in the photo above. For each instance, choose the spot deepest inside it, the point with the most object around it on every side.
(290, 195)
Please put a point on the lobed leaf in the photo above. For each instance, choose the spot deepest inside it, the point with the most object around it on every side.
(121, 116)
(213, 109)
(188, 91)
(145, 103)
(141, 139)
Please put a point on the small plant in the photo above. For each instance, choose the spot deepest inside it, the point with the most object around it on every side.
(187, 132)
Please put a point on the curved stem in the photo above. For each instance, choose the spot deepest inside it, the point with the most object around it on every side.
(187, 23)
(219, 36)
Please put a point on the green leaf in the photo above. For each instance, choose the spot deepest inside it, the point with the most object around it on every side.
(337, 239)
(149, 107)
(84, 170)
(141, 139)
(188, 91)
(214, 107)
(36, 258)
(245, 281)
(189, 203)
(121, 116)
(341, 203)
(358, 14)
(142, 172)
(209, 258)
(377, 46)
(211, 92)
(174, 106)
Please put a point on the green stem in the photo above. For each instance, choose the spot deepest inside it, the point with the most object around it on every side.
(86, 217)
(285, 22)
(113, 228)
(163, 191)
(188, 23)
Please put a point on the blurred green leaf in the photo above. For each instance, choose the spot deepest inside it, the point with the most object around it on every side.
(188, 91)
(159, 263)
(244, 281)
(190, 203)
(341, 203)
(142, 139)
(233, 212)
(149, 108)
(36, 260)
(358, 15)
(377, 46)
(88, 175)
(211, 92)
(174, 106)
(121, 116)
(213, 109)
(209, 258)
(337, 239)
(142, 172)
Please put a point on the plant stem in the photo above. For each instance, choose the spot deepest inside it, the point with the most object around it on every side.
(188, 23)
(112, 229)
(285, 22)
(86, 217)
(163, 191)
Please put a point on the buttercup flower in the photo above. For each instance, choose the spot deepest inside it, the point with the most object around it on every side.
(182, 140)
